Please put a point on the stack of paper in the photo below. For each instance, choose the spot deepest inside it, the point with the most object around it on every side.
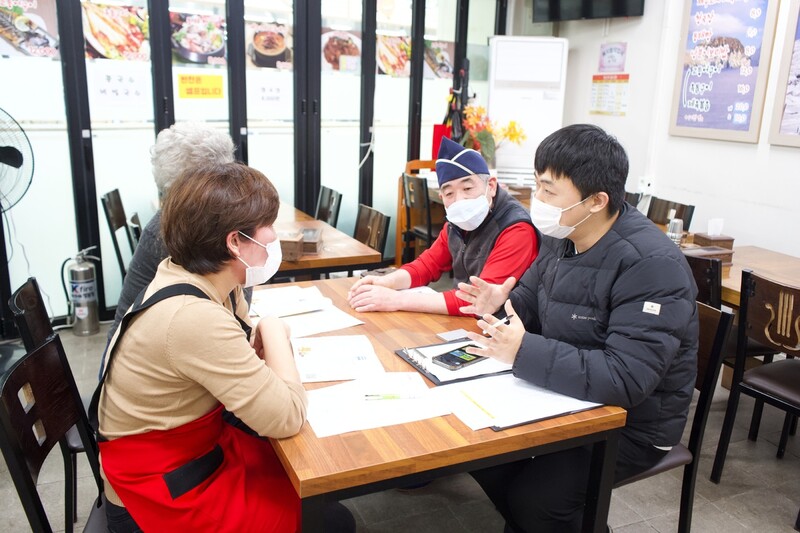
(304, 310)
(335, 358)
(376, 401)
(504, 401)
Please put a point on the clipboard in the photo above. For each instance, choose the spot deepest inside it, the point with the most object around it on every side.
(422, 365)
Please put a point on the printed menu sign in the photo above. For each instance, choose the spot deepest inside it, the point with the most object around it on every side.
(723, 66)
(28, 28)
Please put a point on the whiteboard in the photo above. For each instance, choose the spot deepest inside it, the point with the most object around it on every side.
(527, 83)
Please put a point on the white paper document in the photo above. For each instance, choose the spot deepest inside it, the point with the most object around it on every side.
(504, 401)
(323, 321)
(423, 356)
(335, 358)
(376, 401)
(287, 301)
(304, 310)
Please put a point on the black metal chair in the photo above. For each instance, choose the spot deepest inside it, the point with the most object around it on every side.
(372, 229)
(115, 216)
(659, 211)
(714, 326)
(767, 315)
(40, 404)
(328, 203)
(415, 194)
(33, 323)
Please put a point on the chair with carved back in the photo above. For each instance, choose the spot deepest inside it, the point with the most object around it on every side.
(767, 314)
(660, 209)
(33, 323)
(328, 203)
(714, 327)
(39, 404)
(115, 216)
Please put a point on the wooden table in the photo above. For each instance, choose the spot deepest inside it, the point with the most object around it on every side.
(339, 250)
(773, 265)
(361, 462)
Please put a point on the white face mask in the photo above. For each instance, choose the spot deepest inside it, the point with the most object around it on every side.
(256, 275)
(547, 218)
(469, 214)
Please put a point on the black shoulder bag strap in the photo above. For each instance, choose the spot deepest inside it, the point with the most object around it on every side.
(162, 294)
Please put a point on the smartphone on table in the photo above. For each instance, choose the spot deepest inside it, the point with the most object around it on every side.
(458, 358)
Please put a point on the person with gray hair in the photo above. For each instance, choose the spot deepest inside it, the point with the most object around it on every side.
(181, 147)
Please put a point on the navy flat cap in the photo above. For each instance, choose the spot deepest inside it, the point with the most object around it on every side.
(456, 162)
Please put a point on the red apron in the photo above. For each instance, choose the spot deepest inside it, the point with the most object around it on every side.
(203, 476)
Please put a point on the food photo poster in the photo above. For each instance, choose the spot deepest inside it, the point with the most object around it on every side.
(28, 29)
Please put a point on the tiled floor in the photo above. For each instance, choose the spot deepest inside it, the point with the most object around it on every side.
(758, 491)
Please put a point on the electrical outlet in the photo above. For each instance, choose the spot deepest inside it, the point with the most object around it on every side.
(645, 185)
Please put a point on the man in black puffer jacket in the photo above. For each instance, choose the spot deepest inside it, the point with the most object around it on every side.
(605, 313)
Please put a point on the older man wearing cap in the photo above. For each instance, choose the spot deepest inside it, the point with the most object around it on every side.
(487, 234)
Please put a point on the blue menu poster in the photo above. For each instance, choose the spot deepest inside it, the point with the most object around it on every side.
(722, 69)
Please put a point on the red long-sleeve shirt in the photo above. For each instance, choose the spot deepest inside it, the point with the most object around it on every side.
(513, 252)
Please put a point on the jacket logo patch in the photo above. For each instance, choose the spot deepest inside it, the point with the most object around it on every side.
(576, 316)
(652, 308)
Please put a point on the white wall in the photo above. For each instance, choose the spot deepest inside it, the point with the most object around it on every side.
(754, 187)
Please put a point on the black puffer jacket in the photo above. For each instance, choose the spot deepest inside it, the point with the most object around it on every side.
(616, 324)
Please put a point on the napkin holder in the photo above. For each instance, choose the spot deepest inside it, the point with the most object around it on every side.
(704, 239)
(291, 245)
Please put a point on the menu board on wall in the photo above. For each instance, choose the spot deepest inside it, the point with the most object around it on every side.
(28, 29)
(786, 117)
(723, 64)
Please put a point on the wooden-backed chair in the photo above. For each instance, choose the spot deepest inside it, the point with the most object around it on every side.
(767, 314)
(707, 272)
(33, 323)
(633, 198)
(115, 216)
(714, 326)
(136, 228)
(659, 211)
(416, 199)
(372, 229)
(328, 203)
(39, 404)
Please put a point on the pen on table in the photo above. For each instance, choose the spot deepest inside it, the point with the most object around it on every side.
(500, 321)
(389, 396)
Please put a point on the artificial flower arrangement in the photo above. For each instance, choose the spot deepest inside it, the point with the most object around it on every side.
(481, 134)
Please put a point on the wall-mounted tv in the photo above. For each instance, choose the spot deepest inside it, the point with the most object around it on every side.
(555, 10)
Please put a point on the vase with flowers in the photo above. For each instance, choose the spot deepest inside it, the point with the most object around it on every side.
(485, 136)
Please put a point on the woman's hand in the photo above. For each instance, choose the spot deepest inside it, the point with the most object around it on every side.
(271, 328)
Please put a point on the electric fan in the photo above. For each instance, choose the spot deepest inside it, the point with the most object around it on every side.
(16, 174)
(16, 162)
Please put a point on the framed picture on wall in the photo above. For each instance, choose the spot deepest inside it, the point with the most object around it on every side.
(722, 68)
(786, 116)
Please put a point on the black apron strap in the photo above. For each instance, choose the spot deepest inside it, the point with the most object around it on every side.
(162, 294)
(245, 327)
